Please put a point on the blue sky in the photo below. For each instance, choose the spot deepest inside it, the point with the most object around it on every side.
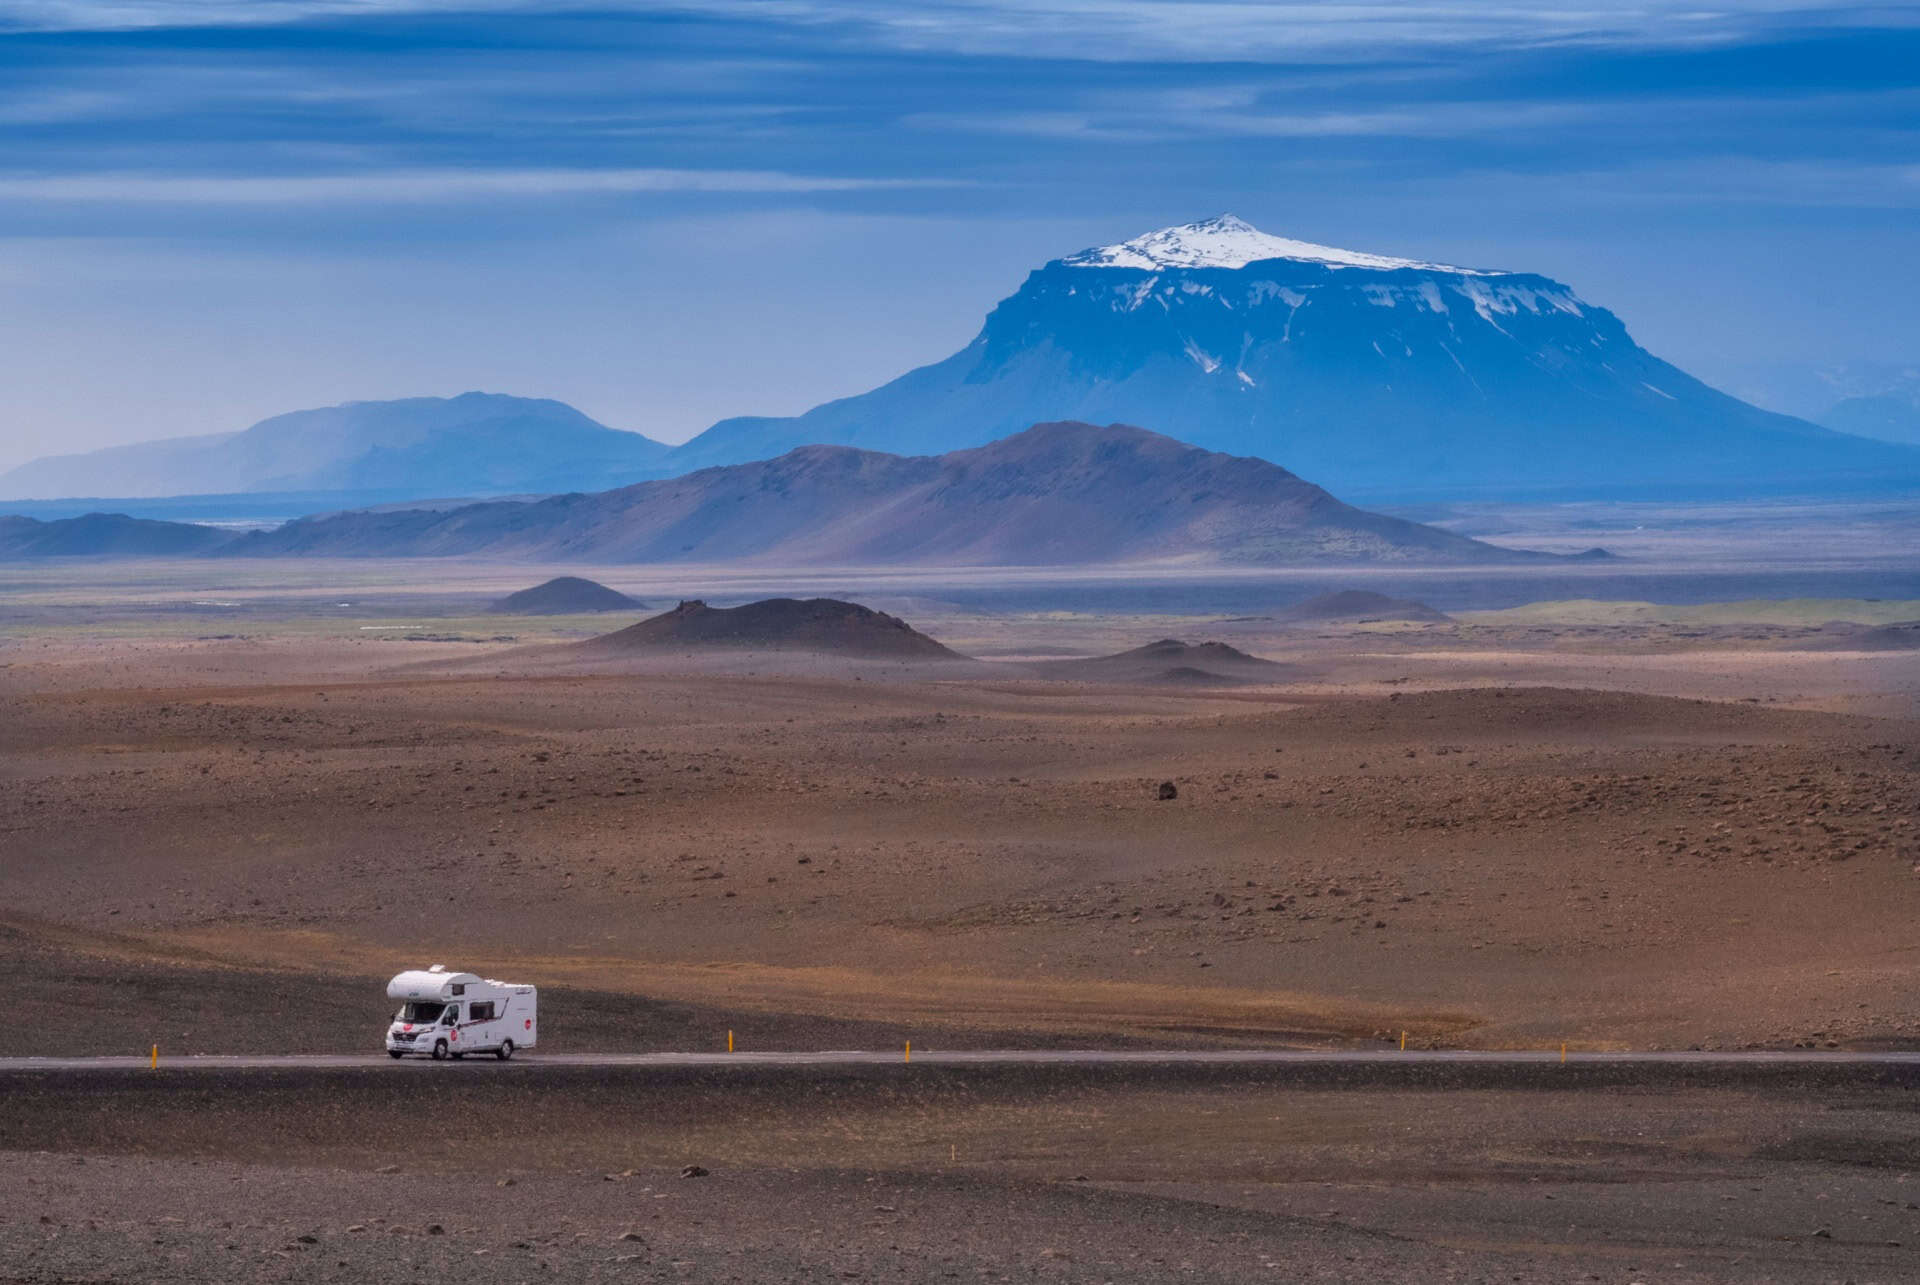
(216, 210)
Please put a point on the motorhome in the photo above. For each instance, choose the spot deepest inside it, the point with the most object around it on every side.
(449, 1015)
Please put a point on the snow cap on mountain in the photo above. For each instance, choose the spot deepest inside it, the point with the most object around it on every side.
(1230, 242)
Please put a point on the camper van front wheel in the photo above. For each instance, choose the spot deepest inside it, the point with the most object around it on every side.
(505, 1051)
(439, 1050)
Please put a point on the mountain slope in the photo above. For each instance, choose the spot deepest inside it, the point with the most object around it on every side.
(1890, 417)
(476, 443)
(1880, 401)
(1052, 495)
(1367, 373)
(105, 534)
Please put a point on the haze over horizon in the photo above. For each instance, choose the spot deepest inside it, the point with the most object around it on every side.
(213, 213)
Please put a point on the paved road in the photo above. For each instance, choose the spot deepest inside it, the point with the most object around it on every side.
(1003, 1057)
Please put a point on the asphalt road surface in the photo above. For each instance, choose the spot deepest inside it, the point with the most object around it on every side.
(534, 1061)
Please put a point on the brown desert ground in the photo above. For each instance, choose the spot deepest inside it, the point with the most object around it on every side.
(924, 1174)
(1612, 829)
(1484, 866)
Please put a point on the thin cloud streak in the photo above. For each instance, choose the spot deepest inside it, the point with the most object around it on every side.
(1151, 117)
(1450, 120)
(415, 186)
(1169, 30)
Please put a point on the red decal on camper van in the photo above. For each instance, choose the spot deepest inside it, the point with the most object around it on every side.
(529, 1023)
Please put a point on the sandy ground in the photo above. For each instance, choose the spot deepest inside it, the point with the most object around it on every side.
(1608, 830)
(913, 1174)
(1347, 858)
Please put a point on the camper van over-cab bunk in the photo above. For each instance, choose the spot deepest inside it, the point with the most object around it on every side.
(445, 1015)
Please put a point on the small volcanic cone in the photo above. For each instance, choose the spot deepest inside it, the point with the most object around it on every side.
(824, 625)
(1358, 606)
(1171, 661)
(564, 596)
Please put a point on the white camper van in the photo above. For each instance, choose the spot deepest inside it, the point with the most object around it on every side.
(445, 1014)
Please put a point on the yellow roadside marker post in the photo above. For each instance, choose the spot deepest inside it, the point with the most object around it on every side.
(909, 1056)
(154, 1065)
(1563, 1052)
(729, 1041)
(1403, 1041)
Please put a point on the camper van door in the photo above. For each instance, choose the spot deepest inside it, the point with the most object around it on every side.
(484, 1026)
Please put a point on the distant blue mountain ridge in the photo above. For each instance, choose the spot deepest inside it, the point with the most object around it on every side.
(416, 447)
(1053, 495)
(1376, 377)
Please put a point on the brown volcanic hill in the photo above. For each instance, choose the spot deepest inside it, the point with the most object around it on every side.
(1056, 494)
(823, 625)
(1173, 662)
(1356, 606)
(565, 595)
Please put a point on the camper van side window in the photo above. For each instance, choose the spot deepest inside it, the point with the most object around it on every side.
(459, 988)
(453, 1015)
(480, 1012)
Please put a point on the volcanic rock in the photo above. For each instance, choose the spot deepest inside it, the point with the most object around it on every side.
(1902, 635)
(1357, 606)
(824, 625)
(1170, 661)
(565, 595)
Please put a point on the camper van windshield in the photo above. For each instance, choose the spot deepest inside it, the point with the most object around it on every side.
(422, 1011)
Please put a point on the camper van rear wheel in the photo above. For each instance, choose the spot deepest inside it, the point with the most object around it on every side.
(439, 1050)
(505, 1051)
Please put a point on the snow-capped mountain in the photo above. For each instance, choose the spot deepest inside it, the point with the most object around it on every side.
(1230, 242)
(1366, 373)
(473, 444)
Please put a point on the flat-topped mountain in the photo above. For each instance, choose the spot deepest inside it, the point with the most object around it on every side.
(473, 444)
(827, 626)
(565, 595)
(1367, 373)
(1055, 494)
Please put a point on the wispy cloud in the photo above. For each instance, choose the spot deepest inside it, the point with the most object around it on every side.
(1447, 120)
(1181, 115)
(1737, 180)
(1165, 29)
(416, 186)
